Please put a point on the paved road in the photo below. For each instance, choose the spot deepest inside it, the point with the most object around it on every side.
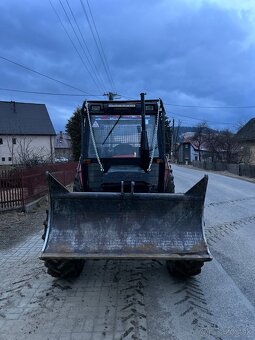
(138, 299)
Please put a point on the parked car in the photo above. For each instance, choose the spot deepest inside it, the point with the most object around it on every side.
(61, 159)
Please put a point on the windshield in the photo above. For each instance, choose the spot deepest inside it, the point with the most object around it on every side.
(120, 135)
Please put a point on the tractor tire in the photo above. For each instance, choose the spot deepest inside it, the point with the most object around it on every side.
(77, 185)
(170, 187)
(64, 268)
(184, 269)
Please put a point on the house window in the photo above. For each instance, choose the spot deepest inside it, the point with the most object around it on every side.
(1, 140)
(186, 146)
(9, 159)
(14, 141)
(3, 159)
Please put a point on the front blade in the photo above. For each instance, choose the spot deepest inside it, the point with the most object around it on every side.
(115, 225)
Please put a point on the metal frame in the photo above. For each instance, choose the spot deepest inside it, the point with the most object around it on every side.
(117, 107)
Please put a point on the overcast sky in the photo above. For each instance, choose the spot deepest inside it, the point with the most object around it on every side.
(187, 52)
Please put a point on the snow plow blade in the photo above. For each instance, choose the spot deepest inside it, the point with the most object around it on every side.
(94, 225)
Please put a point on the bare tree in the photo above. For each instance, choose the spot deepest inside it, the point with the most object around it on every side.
(228, 146)
(211, 141)
(223, 146)
(240, 124)
(200, 136)
(29, 155)
(23, 152)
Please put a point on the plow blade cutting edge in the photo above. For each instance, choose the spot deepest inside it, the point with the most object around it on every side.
(93, 225)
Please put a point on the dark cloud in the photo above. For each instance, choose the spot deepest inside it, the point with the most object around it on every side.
(192, 55)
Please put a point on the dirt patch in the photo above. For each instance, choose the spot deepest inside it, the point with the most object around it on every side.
(16, 226)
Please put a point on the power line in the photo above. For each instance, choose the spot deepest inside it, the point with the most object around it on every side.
(97, 45)
(205, 107)
(42, 74)
(180, 115)
(63, 26)
(186, 121)
(199, 119)
(101, 45)
(212, 107)
(90, 58)
(52, 93)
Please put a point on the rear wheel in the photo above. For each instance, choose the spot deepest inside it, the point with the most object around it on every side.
(184, 268)
(170, 187)
(64, 268)
(77, 185)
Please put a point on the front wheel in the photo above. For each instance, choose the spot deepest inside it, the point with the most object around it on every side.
(64, 268)
(184, 268)
(170, 187)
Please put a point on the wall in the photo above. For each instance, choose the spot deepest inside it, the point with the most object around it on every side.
(194, 154)
(251, 146)
(247, 151)
(26, 147)
(185, 153)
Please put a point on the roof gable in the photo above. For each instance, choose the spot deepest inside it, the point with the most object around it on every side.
(196, 146)
(247, 132)
(24, 119)
(63, 141)
(189, 138)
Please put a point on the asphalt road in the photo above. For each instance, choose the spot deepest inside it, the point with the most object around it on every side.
(221, 300)
(138, 299)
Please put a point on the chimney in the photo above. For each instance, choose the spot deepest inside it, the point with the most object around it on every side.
(13, 106)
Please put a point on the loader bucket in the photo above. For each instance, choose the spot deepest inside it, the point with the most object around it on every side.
(93, 225)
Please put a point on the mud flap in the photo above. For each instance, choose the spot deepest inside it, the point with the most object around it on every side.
(85, 225)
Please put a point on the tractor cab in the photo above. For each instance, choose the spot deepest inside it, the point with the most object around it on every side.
(123, 144)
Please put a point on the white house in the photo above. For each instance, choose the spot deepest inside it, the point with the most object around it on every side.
(63, 146)
(189, 150)
(26, 133)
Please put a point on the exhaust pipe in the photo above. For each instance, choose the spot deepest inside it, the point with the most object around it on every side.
(144, 149)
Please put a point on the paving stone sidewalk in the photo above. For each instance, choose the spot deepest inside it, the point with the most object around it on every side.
(105, 302)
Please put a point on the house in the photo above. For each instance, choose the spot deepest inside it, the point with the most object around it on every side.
(190, 150)
(246, 139)
(63, 146)
(26, 133)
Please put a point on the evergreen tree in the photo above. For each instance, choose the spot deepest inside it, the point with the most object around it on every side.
(73, 128)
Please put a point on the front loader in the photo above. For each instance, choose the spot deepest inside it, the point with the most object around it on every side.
(123, 204)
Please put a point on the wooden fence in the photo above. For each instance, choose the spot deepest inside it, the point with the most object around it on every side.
(19, 187)
(11, 189)
(247, 170)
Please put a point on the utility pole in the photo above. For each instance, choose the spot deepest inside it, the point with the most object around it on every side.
(172, 143)
(110, 95)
